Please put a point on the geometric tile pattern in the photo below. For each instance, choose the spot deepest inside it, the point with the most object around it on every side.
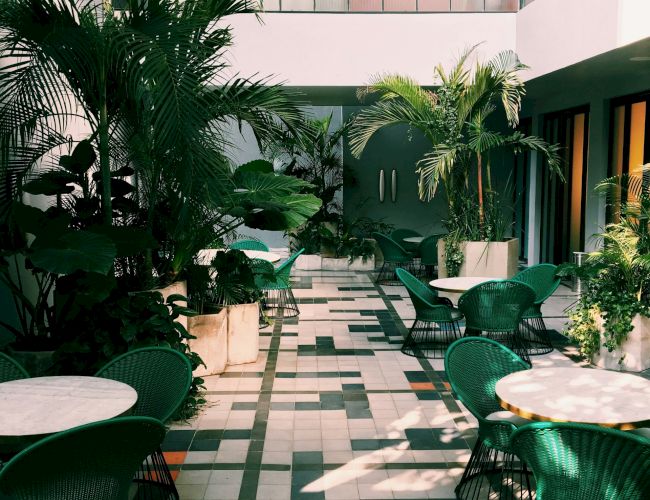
(332, 409)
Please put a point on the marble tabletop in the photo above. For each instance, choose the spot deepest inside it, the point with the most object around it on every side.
(45, 405)
(582, 395)
(414, 239)
(459, 284)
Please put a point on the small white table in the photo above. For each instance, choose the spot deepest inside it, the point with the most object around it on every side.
(582, 395)
(205, 256)
(414, 239)
(35, 407)
(458, 284)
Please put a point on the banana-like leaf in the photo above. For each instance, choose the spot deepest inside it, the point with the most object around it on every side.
(74, 251)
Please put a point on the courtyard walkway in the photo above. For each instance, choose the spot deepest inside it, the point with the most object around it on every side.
(333, 409)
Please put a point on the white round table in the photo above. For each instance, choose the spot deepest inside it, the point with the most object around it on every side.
(582, 395)
(458, 284)
(414, 239)
(44, 405)
(206, 256)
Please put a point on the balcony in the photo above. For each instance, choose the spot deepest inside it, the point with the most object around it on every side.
(406, 6)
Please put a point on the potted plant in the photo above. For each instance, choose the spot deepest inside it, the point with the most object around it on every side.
(611, 322)
(456, 120)
(349, 252)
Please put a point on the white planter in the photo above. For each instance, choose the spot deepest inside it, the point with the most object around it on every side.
(243, 333)
(308, 262)
(180, 288)
(334, 264)
(359, 265)
(633, 354)
(211, 342)
(492, 259)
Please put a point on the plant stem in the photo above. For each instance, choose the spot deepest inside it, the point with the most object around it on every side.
(104, 159)
(480, 191)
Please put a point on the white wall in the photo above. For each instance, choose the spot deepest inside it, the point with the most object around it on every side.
(553, 34)
(346, 49)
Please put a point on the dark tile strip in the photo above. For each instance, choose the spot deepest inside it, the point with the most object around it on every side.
(254, 456)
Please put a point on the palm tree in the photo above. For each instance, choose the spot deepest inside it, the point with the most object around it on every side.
(455, 119)
(148, 82)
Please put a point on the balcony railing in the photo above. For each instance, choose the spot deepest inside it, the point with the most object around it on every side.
(359, 6)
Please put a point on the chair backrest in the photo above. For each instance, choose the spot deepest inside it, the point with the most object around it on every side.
(249, 245)
(10, 369)
(94, 461)
(541, 278)
(283, 271)
(473, 366)
(392, 251)
(424, 299)
(428, 250)
(161, 377)
(398, 235)
(496, 306)
(584, 462)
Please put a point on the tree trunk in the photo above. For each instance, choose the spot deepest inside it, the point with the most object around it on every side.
(104, 151)
(480, 193)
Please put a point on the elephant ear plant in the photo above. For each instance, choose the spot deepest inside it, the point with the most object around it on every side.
(617, 276)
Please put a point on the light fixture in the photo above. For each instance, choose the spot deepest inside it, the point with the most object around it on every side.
(640, 58)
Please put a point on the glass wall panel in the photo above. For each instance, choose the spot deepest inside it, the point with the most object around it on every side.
(467, 5)
(365, 5)
(501, 5)
(297, 5)
(434, 5)
(400, 5)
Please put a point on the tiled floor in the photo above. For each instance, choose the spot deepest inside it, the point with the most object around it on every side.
(332, 409)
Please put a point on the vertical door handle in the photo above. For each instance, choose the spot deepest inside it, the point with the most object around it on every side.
(381, 186)
(393, 186)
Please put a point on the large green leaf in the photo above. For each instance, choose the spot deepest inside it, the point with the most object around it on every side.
(74, 251)
(259, 166)
(128, 241)
(51, 183)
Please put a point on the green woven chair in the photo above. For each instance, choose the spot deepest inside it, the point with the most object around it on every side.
(543, 280)
(584, 462)
(279, 301)
(10, 369)
(249, 245)
(394, 256)
(95, 461)
(495, 307)
(162, 378)
(263, 271)
(428, 251)
(473, 366)
(436, 323)
(398, 236)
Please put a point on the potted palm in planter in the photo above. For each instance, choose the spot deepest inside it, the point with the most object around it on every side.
(456, 120)
(611, 322)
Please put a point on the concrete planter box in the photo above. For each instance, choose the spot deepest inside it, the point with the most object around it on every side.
(211, 342)
(312, 262)
(359, 265)
(335, 264)
(243, 333)
(493, 259)
(634, 353)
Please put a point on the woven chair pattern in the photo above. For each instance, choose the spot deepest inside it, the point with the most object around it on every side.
(473, 366)
(95, 461)
(10, 369)
(436, 324)
(249, 245)
(542, 279)
(585, 462)
(161, 377)
(496, 307)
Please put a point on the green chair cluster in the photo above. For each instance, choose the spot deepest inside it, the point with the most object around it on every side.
(394, 256)
(113, 459)
(399, 235)
(279, 301)
(436, 321)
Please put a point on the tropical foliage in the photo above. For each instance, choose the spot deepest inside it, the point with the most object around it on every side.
(618, 275)
(457, 118)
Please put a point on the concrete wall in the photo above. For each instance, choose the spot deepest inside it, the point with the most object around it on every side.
(553, 34)
(347, 49)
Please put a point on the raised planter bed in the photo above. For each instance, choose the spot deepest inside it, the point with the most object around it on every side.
(493, 259)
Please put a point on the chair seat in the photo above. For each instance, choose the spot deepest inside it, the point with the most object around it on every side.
(455, 313)
(508, 416)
